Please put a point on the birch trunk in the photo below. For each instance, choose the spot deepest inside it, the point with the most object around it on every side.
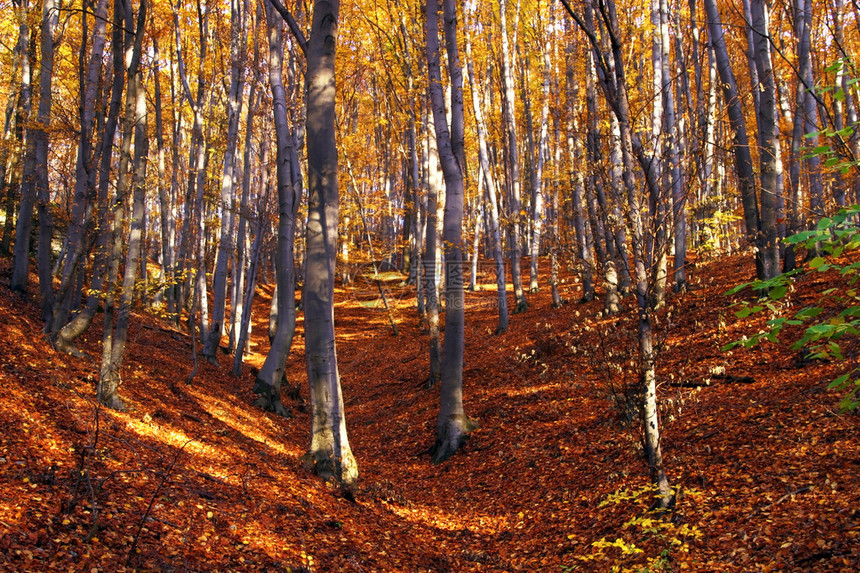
(65, 337)
(85, 184)
(614, 84)
(542, 153)
(21, 252)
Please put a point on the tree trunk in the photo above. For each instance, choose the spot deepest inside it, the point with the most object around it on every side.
(192, 218)
(329, 448)
(50, 19)
(614, 84)
(239, 269)
(85, 184)
(768, 135)
(245, 325)
(11, 138)
(743, 158)
(114, 342)
(452, 425)
(672, 153)
(489, 182)
(576, 177)
(238, 53)
(165, 201)
(21, 254)
(514, 183)
(542, 152)
(803, 133)
(431, 285)
(289, 178)
(100, 285)
(656, 241)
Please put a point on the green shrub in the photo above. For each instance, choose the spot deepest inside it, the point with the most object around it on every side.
(826, 333)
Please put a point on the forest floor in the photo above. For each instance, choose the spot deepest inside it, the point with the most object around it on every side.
(194, 477)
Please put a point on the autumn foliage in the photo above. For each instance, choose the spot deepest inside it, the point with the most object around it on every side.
(193, 477)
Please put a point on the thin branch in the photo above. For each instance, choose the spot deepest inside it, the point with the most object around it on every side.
(294, 26)
(152, 501)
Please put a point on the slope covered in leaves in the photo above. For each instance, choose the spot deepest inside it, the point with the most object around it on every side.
(193, 477)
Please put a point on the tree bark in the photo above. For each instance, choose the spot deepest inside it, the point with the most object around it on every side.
(743, 158)
(538, 213)
(100, 284)
(21, 253)
(431, 284)
(768, 135)
(452, 425)
(85, 184)
(329, 449)
(614, 84)
(514, 183)
(488, 180)
(240, 275)
(289, 179)
(238, 53)
(11, 137)
(576, 177)
(114, 341)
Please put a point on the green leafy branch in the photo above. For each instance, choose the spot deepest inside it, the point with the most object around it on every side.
(825, 333)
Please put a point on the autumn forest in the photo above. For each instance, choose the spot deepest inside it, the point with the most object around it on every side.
(511, 285)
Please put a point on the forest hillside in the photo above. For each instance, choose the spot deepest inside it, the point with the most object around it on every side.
(194, 477)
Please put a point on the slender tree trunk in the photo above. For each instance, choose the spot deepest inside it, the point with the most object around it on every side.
(11, 138)
(431, 285)
(514, 206)
(452, 425)
(165, 199)
(268, 382)
(672, 153)
(488, 179)
(192, 218)
(656, 241)
(647, 353)
(743, 158)
(576, 177)
(101, 284)
(245, 326)
(329, 448)
(768, 135)
(238, 53)
(804, 133)
(542, 152)
(85, 183)
(115, 341)
(239, 270)
(21, 254)
(50, 19)
(614, 84)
